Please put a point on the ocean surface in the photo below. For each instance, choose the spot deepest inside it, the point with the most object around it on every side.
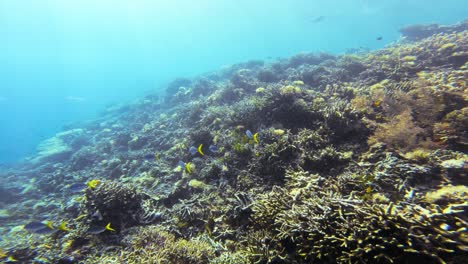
(63, 62)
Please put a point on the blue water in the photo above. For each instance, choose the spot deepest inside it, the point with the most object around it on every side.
(64, 61)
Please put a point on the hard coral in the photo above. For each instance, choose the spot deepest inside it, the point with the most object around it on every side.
(118, 204)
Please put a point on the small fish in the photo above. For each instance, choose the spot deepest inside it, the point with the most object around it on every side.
(317, 19)
(40, 227)
(77, 187)
(185, 166)
(193, 150)
(99, 229)
(63, 227)
(379, 38)
(181, 164)
(214, 149)
(49, 224)
(199, 149)
(96, 230)
(92, 184)
(255, 137)
(11, 259)
(108, 227)
(188, 167)
(249, 134)
(377, 103)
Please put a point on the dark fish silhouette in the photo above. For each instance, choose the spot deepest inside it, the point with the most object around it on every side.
(317, 19)
(379, 38)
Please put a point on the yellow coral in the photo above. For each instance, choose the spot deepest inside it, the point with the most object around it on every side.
(278, 132)
(196, 184)
(458, 193)
(260, 90)
(408, 58)
(290, 89)
(298, 82)
(419, 155)
(448, 46)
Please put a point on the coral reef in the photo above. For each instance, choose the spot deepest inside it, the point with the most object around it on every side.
(358, 158)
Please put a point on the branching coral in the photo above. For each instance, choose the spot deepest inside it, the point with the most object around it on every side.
(321, 224)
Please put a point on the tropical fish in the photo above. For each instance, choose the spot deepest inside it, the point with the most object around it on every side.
(199, 149)
(11, 259)
(181, 164)
(99, 229)
(185, 166)
(92, 184)
(63, 227)
(214, 149)
(77, 187)
(188, 166)
(193, 150)
(40, 227)
(379, 38)
(249, 134)
(108, 227)
(254, 137)
(96, 230)
(317, 19)
(377, 103)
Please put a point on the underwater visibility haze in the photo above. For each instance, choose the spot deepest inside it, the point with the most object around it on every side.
(64, 61)
(302, 131)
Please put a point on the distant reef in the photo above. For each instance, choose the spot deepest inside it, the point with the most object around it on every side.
(317, 158)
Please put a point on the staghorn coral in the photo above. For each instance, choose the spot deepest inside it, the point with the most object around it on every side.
(322, 224)
(120, 205)
(154, 245)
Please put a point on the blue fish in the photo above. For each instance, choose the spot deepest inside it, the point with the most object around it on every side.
(39, 228)
(249, 134)
(149, 156)
(193, 150)
(77, 187)
(181, 164)
(214, 149)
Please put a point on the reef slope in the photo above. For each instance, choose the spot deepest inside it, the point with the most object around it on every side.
(359, 158)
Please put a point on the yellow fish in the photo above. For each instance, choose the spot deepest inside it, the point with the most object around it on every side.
(49, 224)
(92, 184)
(377, 103)
(187, 167)
(255, 137)
(63, 227)
(199, 149)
